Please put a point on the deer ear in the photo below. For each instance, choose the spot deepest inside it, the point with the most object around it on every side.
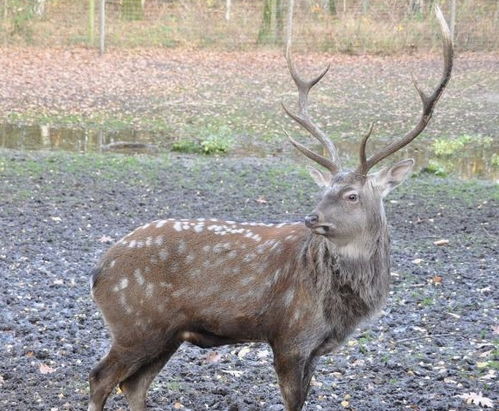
(322, 179)
(389, 178)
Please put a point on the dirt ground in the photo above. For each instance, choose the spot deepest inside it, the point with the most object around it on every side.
(435, 342)
(186, 94)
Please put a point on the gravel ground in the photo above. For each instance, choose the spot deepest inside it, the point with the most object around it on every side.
(437, 338)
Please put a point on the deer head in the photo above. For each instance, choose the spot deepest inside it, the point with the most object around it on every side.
(351, 210)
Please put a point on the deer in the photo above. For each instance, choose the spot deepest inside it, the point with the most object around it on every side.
(301, 287)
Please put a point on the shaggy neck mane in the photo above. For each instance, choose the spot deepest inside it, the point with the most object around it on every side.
(360, 281)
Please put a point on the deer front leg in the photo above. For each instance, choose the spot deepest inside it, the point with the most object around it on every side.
(294, 371)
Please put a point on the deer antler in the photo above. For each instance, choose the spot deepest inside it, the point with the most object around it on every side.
(428, 101)
(304, 86)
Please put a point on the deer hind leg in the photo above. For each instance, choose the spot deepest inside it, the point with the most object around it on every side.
(114, 368)
(136, 385)
(294, 372)
(105, 376)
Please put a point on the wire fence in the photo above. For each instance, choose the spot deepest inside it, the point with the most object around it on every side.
(347, 26)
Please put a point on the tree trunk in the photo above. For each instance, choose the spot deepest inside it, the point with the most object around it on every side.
(272, 23)
(228, 9)
(132, 10)
(91, 21)
(365, 6)
(330, 7)
(39, 8)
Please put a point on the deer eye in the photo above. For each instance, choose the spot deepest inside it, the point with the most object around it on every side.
(352, 197)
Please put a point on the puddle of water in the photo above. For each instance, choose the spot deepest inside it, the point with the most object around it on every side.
(472, 162)
(44, 137)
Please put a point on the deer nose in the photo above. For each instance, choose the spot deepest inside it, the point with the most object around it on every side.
(311, 220)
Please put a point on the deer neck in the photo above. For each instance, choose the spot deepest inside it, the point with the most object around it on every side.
(361, 269)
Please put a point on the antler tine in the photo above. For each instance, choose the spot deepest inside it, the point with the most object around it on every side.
(362, 151)
(323, 161)
(428, 102)
(303, 118)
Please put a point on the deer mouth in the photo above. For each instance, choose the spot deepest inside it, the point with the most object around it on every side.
(323, 229)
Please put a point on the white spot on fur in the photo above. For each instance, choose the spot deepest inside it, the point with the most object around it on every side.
(247, 280)
(232, 254)
(163, 254)
(182, 246)
(112, 263)
(132, 243)
(189, 259)
(148, 241)
(206, 248)
(177, 226)
(160, 223)
(138, 276)
(123, 283)
(159, 240)
(149, 289)
(199, 228)
(288, 297)
(140, 244)
(249, 257)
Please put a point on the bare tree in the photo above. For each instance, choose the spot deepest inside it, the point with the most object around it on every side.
(228, 9)
(272, 22)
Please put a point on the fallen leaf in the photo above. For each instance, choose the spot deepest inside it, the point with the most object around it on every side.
(437, 280)
(235, 373)
(212, 357)
(345, 403)
(56, 219)
(45, 369)
(261, 200)
(495, 329)
(477, 399)
(178, 406)
(105, 239)
(441, 242)
(243, 352)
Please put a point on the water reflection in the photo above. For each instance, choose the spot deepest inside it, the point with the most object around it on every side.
(37, 137)
(471, 162)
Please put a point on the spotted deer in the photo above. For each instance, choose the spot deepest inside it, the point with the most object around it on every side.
(302, 288)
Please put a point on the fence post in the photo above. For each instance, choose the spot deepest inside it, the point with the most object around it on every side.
(102, 26)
